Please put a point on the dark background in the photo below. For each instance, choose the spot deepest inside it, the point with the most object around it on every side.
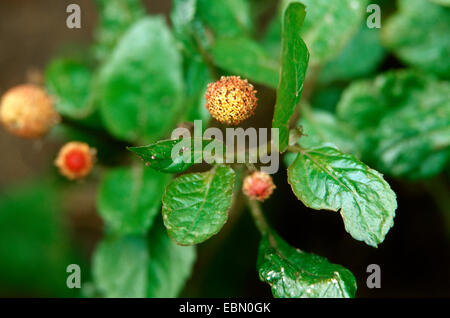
(414, 259)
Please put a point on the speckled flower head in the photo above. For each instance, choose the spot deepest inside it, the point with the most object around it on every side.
(27, 111)
(231, 100)
(258, 186)
(75, 160)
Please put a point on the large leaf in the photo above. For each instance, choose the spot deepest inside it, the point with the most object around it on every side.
(130, 198)
(294, 62)
(226, 17)
(325, 178)
(359, 58)
(69, 83)
(195, 205)
(418, 35)
(402, 119)
(293, 273)
(159, 155)
(115, 17)
(327, 28)
(245, 57)
(140, 85)
(136, 266)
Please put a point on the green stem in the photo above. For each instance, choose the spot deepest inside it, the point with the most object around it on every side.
(206, 58)
(258, 217)
(260, 221)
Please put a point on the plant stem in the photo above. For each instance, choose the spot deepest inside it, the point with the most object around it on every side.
(260, 221)
(258, 217)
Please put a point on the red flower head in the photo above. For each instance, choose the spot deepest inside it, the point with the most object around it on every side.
(75, 160)
(258, 186)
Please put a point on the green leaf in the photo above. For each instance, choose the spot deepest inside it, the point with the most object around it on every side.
(402, 119)
(197, 77)
(226, 17)
(188, 28)
(159, 155)
(325, 178)
(130, 198)
(115, 17)
(135, 266)
(245, 57)
(293, 273)
(327, 98)
(294, 62)
(35, 247)
(364, 103)
(327, 27)
(442, 2)
(189, 32)
(359, 58)
(195, 205)
(320, 127)
(140, 86)
(418, 35)
(414, 142)
(69, 83)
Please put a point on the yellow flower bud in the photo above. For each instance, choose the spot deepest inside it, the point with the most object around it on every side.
(27, 111)
(231, 100)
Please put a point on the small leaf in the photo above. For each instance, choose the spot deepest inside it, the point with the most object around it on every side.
(159, 155)
(294, 62)
(69, 83)
(129, 199)
(195, 205)
(293, 273)
(245, 57)
(115, 17)
(135, 266)
(226, 17)
(424, 20)
(140, 86)
(325, 178)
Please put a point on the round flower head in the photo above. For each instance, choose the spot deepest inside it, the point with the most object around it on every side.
(258, 186)
(27, 111)
(75, 160)
(231, 100)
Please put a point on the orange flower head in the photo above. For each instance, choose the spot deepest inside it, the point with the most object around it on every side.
(75, 160)
(27, 111)
(231, 100)
(258, 186)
